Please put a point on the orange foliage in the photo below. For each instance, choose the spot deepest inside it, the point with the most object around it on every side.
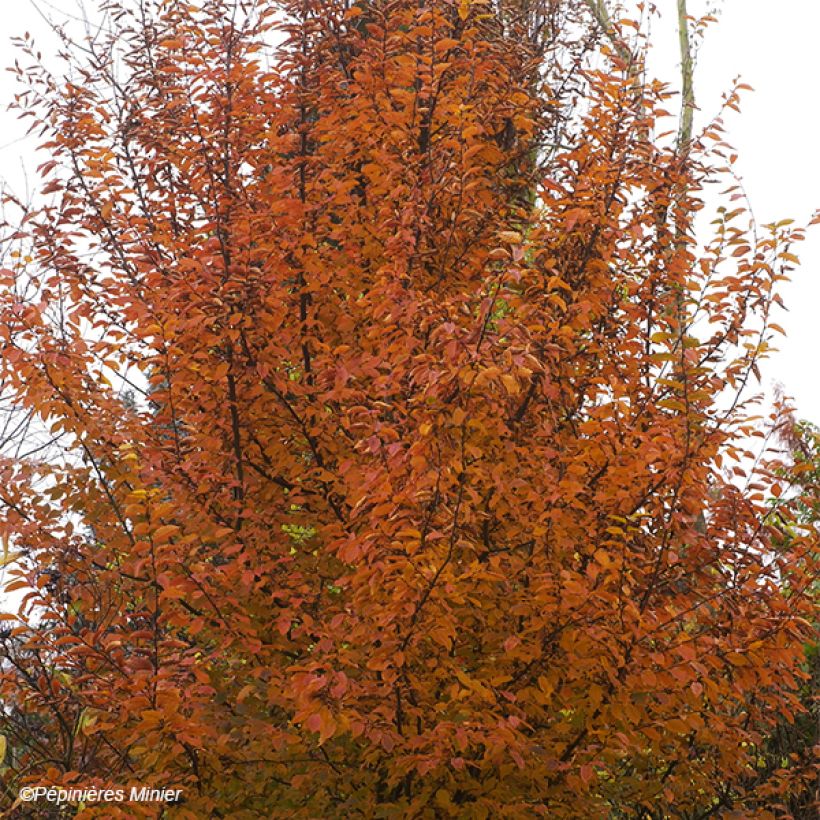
(427, 504)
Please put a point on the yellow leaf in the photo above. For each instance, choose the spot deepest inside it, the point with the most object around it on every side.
(162, 534)
(8, 557)
(510, 384)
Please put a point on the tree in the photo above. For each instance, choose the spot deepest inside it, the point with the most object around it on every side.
(797, 741)
(430, 504)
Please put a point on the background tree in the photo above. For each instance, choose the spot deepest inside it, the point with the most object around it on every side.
(434, 507)
(794, 744)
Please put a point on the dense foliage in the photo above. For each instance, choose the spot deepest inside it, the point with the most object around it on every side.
(432, 498)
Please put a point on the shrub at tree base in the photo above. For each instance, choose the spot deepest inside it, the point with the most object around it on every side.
(429, 501)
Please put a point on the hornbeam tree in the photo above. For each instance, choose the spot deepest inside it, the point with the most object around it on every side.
(435, 497)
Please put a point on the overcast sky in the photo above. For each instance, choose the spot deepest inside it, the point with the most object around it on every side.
(773, 47)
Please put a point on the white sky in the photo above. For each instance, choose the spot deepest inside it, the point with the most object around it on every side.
(773, 47)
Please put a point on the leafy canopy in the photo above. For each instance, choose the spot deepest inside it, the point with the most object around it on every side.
(430, 497)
